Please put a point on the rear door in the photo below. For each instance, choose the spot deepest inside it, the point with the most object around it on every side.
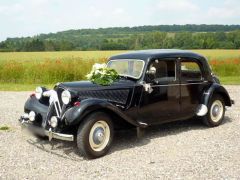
(192, 84)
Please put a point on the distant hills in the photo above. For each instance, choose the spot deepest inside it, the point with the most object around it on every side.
(121, 38)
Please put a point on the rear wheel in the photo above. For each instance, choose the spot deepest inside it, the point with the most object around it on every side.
(95, 135)
(216, 111)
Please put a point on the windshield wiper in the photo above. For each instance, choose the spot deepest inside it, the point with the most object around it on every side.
(127, 77)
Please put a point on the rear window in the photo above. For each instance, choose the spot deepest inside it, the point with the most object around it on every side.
(190, 71)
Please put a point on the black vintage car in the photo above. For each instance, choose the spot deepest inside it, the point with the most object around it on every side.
(155, 86)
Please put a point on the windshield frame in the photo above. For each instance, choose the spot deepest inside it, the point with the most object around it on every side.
(128, 60)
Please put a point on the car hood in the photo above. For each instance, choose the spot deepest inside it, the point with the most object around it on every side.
(118, 92)
(88, 85)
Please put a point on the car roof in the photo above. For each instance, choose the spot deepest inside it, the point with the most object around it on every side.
(156, 53)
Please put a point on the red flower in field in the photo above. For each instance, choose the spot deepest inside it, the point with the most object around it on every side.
(58, 61)
(228, 61)
(236, 61)
(222, 62)
(213, 62)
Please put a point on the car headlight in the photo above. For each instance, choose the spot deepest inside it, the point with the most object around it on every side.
(38, 92)
(32, 116)
(66, 97)
(54, 121)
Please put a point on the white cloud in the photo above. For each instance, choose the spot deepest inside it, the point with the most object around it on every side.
(118, 11)
(228, 10)
(96, 12)
(11, 9)
(220, 12)
(30, 17)
(176, 5)
(196, 12)
(174, 12)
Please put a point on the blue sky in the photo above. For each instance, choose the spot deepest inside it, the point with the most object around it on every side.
(31, 17)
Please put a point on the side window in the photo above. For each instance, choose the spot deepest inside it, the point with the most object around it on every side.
(190, 71)
(165, 71)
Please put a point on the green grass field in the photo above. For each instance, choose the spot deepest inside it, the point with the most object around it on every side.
(63, 55)
(25, 70)
(69, 55)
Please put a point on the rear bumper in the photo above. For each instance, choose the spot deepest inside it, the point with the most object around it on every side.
(43, 132)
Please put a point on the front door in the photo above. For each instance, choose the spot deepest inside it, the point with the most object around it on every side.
(162, 102)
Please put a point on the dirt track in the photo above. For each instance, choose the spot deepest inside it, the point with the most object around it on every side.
(184, 150)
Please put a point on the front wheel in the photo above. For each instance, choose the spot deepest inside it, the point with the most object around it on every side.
(95, 135)
(216, 111)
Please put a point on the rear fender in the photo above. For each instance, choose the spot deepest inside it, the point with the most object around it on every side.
(216, 89)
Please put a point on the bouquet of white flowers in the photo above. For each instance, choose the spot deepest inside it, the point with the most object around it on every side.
(101, 74)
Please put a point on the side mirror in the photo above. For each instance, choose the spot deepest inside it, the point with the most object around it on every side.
(151, 71)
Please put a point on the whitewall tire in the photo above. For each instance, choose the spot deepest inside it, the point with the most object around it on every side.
(216, 111)
(95, 135)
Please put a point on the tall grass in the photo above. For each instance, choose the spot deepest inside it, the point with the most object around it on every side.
(226, 68)
(52, 71)
(46, 72)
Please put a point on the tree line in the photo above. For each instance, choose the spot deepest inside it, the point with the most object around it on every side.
(144, 37)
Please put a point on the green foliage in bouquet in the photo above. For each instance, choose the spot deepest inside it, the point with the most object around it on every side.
(102, 75)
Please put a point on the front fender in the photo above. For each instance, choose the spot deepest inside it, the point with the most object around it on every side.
(76, 114)
(216, 88)
(33, 104)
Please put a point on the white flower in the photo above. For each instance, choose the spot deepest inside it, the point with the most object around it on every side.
(97, 71)
(89, 76)
(101, 74)
(99, 66)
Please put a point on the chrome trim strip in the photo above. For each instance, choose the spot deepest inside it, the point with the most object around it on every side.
(58, 115)
(53, 98)
(185, 84)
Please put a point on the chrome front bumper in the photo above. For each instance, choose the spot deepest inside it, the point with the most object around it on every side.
(43, 132)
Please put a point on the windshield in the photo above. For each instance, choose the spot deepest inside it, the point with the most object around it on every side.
(127, 67)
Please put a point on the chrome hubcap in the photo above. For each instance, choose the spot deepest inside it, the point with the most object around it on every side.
(99, 135)
(216, 111)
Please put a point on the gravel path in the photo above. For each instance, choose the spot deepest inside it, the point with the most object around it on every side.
(183, 150)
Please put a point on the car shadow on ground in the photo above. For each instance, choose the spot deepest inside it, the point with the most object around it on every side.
(123, 139)
(64, 149)
(129, 139)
